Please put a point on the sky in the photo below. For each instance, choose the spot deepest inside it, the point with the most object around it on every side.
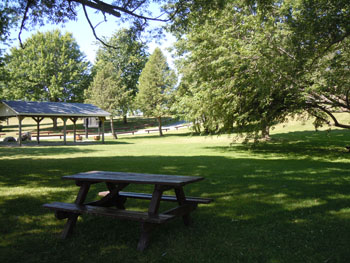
(84, 36)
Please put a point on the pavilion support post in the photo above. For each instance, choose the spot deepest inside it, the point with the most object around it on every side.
(102, 119)
(37, 120)
(86, 128)
(74, 120)
(20, 118)
(64, 131)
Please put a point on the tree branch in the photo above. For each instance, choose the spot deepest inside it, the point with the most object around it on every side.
(137, 7)
(335, 41)
(70, 7)
(103, 7)
(336, 123)
(29, 3)
(285, 52)
(93, 29)
(331, 100)
(115, 10)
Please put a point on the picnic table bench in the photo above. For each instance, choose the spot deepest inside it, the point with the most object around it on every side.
(43, 132)
(126, 132)
(48, 134)
(163, 129)
(2, 134)
(80, 130)
(35, 132)
(179, 126)
(112, 203)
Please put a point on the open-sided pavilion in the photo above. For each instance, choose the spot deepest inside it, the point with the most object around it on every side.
(40, 110)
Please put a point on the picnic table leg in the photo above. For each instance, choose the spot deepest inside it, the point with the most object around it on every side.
(181, 199)
(72, 219)
(119, 201)
(146, 228)
(112, 198)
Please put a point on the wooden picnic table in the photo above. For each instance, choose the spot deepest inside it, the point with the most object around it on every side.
(112, 203)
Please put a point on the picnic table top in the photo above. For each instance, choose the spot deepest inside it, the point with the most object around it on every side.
(136, 178)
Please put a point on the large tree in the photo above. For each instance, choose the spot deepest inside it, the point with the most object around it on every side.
(247, 67)
(128, 56)
(108, 91)
(156, 86)
(228, 83)
(50, 68)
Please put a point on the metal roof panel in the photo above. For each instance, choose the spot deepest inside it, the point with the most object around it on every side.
(34, 108)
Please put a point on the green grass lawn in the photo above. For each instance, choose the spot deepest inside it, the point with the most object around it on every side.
(287, 200)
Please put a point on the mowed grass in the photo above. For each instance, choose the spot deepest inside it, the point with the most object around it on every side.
(287, 200)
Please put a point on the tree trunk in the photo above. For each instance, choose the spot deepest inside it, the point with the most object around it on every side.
(54, 122)
(112, 129)
(125, 120)
(160, 126)
(196, 126)
(265, 133)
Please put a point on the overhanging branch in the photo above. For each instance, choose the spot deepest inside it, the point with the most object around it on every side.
(93, 29)
(29, 3)
(331, 115)
(115, 10)
(103, 7)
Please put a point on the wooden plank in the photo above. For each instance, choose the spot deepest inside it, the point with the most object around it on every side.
(136, 178)
(109, 212)
(169, 198)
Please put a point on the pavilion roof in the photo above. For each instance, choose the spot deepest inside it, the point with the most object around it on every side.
(49, 109)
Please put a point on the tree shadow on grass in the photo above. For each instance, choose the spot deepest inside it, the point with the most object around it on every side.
(156, 135)
(264, 210)
(52, 148)
(306, 144)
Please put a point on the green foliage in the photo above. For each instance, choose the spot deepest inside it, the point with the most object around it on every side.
(156, 86)
(108, 91)
(246, 68)
(50, 68)
(127, 57)
(7, 21)
(228, 79)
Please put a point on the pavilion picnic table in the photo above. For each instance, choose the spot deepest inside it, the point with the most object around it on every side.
(112, 203)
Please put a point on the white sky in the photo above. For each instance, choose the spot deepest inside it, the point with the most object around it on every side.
(83, 34)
